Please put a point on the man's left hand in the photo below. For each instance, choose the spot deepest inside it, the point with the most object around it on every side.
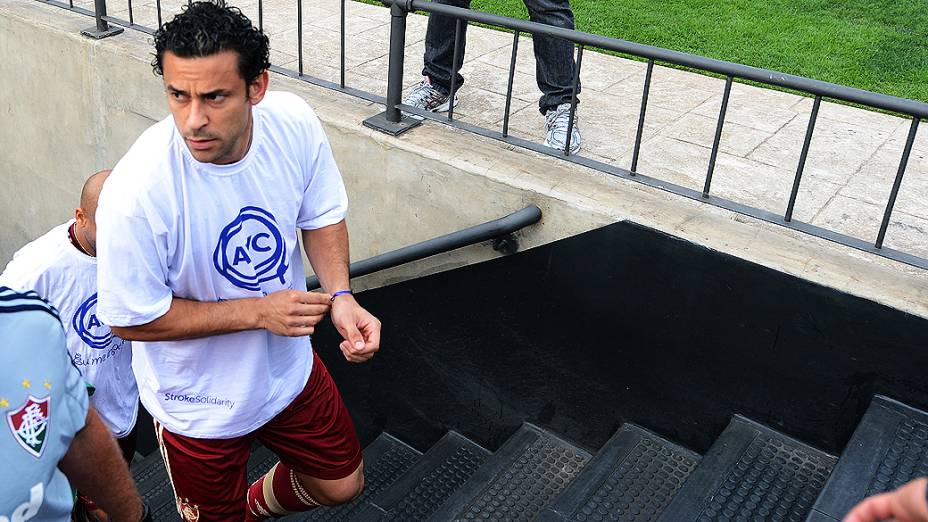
(358, 327)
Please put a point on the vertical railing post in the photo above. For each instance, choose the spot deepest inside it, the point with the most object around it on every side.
(398, 15)
(392, 120)
(299, 36)
(102, 29)
(455, 63)
(573, 100)
(512, 75)
(718, 137)
(897, 183)
(342, 48)
(802, 160)
(644, 108)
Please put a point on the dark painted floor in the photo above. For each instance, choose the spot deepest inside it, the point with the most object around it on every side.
(626, 324)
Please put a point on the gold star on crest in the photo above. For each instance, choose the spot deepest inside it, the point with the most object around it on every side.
(27, 384)
(4, 403)
(47, 385)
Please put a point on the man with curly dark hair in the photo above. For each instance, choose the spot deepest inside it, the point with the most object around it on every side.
(200, 266)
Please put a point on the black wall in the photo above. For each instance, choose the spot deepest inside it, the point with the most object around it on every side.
(625, 324)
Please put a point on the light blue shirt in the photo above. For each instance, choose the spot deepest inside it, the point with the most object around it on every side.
(43, 403)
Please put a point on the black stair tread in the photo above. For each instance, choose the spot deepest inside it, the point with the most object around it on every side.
(444, 468)
(149, 473)
(260, 462)
(549, 516)
(518, 481)
(634, 476)
(151, 479)
(753, 473)
(888, 449)
(385, 460)
(165, 512)
(816, 516)
(154, 486)
(367, 513)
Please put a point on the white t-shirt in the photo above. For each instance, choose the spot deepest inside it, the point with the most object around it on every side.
(168, 225)
(67, 278)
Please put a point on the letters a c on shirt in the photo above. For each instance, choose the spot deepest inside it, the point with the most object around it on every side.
(89, 328)
(251, 250)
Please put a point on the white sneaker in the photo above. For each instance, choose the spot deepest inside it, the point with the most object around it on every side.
(556, 122)
(427, 97)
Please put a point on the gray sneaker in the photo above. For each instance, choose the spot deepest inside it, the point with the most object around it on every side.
(556, 123)
(425, 96)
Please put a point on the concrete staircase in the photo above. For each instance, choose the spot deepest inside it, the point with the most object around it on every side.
(750, 473)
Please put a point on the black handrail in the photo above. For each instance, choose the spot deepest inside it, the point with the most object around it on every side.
(483, 232)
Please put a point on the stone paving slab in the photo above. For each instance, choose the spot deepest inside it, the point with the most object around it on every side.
(852, 161)
(878, 174)
(853, 216)
(737, 139)
(664, 91)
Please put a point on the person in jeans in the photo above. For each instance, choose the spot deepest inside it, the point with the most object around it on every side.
(554, 68)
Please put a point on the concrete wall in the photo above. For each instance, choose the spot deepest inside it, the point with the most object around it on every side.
(72, 106)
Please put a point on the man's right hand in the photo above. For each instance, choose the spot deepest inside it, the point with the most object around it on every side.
(293, 313)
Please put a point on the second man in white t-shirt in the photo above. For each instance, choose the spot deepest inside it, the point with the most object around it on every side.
(61, 266)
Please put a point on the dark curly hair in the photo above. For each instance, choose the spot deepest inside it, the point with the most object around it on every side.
(209, 27)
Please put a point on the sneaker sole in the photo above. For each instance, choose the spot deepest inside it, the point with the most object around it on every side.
(441, 108)
(445, 107)
(574, 147)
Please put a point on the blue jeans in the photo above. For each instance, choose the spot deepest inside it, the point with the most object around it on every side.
(554, 58)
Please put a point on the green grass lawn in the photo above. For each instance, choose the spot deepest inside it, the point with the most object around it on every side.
(877, 45)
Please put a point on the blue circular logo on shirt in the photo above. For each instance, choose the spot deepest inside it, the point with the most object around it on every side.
(94, 333)
(251, 250)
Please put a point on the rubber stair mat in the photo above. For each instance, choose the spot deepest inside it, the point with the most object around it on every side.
(518, 481)
(444, 468)
(385, 460)
(752, 473)
(888, 449)
(632, 478)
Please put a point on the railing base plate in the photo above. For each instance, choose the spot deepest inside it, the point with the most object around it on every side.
(379, 122)
(96, 34)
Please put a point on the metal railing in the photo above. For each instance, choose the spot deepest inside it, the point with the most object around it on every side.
(498, 230)
(395, 118)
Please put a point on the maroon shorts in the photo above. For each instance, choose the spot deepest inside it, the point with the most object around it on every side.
(314, 435)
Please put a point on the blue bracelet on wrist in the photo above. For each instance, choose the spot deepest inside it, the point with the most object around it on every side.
(340, 292)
